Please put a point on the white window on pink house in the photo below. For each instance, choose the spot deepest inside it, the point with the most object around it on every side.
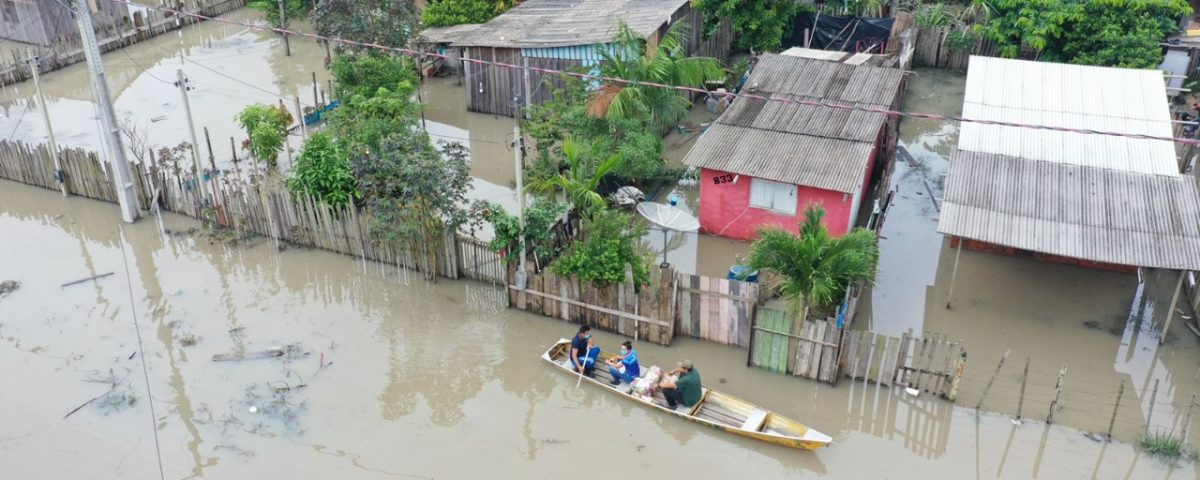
(775, 196)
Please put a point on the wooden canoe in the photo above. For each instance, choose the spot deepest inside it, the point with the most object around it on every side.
(715, 409)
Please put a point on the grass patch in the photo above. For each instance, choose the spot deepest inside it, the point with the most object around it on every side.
(1161, 444)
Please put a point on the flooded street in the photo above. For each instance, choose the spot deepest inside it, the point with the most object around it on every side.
(229, 67)
(1103, 326)
(417, 377)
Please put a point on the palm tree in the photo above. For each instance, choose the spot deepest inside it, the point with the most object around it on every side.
(580, 180)
(814, 267)
(633, 58)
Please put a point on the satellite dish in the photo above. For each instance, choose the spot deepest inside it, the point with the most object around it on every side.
(668, 218)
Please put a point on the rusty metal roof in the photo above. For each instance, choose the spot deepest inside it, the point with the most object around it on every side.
(805, 145)
(1092, 213)
(561, 23)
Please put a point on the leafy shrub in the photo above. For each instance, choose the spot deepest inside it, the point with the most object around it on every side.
(366, 74)
(539, 219)
(446, 13)
(323, 171)
(266, 126)
(609, 246)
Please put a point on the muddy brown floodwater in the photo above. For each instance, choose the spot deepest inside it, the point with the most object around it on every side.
(229, 68)
(1103, 326)
(421, 380)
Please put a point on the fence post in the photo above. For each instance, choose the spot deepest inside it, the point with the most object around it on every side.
(1150, 414)
(1021, 398)
(993, 379)
(1116, 408)
(1057, 393)
(959, 369)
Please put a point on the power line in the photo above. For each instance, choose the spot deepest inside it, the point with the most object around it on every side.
(588, 76)
(141, 352)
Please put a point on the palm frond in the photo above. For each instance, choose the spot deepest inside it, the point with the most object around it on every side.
(602, 100)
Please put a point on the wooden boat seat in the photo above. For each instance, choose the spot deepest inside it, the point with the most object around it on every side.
(755, 420)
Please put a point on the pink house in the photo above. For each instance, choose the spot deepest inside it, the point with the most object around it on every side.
(762, 163)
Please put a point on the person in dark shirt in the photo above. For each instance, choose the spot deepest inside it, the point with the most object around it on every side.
(579, 348)
(682, 385)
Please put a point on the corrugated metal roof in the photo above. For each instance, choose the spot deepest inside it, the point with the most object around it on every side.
(804, 145)
(1075, 96)
(560, 23)
(1092, 213)
(446, 34)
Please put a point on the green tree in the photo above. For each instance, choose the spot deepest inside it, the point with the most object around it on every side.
(416, 192)
(391, 23)
(266, 127)
(446, 13)
(814, 268)
(1115, 33)
(376, 93)
(539, 236)
(323, 171)
(608, 246)
(761, 24)
(270, 9)
(579, 181)
(634, 59)
(638, 146)
(366, 74)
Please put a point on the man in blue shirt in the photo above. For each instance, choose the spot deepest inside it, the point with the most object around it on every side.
(579, 350)
(627, 359)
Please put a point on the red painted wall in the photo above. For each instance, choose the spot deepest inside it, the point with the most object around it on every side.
(725, 208)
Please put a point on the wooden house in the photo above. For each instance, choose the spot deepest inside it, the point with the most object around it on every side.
(557, 35)
(762, 163)
(43, 22)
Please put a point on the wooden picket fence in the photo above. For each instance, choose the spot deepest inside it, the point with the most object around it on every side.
(250, 207)
(932, 364)
(67, 51)
(807, 350)
(646, 313)
(717, 309)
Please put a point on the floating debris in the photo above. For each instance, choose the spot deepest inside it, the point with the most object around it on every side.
(82, 280)
(8, 286)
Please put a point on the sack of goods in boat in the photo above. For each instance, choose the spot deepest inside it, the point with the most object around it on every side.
(644, 386)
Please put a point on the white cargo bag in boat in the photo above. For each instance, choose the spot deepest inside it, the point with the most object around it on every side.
(648, 383)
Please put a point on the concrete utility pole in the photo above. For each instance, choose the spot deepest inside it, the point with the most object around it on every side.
(181, 81)
(287, 46)
(518, 153)
(119, 166)
(37, 84)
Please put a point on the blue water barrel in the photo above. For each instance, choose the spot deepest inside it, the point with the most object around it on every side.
(736, 272)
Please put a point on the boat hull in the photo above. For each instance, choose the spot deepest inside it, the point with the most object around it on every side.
(726, 408)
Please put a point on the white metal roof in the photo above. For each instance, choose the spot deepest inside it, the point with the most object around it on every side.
(1074, 96)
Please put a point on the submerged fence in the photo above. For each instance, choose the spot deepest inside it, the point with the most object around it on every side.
(253, 207)
(129, 29)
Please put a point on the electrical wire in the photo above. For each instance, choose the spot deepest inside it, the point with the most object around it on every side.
(141, 353)
(621, 81)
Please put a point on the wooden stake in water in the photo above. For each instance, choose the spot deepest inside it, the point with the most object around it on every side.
(1150, 414)
(993, 379)
(1062, 374)
(1021, 399)
(1116, 408)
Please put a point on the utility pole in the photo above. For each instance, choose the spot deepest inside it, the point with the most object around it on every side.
(37, 84)
(518, 153)
(287, 46)
(122, 179)
(181, 81)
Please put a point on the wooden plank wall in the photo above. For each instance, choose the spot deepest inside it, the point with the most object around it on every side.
(807, 350)
(931, 50)
(495, 89)
(250, 208)
(716, 309)
(66, 51)
(645, 314)
(933, 364)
